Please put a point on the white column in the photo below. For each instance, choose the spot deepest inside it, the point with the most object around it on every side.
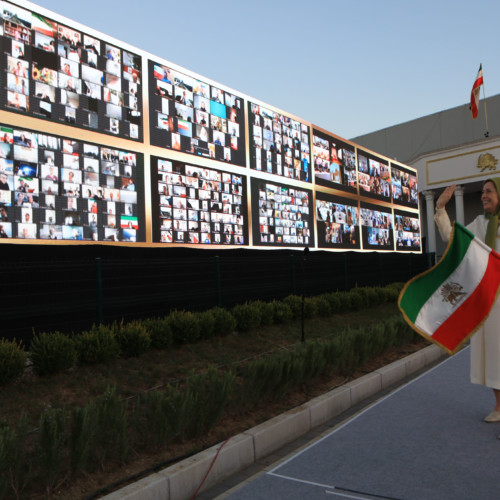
(459, 204)
(431, 227)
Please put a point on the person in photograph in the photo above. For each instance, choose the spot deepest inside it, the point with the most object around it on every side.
(3, 215)
(4, 185)
(20, 70)
(51, 176)
(3, 234)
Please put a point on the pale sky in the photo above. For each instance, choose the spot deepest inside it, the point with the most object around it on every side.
(348, 66)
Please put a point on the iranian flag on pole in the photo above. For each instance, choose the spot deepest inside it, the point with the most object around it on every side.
(474, 95)
(450, 301)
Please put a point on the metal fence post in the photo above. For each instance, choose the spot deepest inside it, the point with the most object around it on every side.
(217, 282)
(98, 262)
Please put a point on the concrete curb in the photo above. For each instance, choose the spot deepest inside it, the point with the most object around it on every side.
(180, 481)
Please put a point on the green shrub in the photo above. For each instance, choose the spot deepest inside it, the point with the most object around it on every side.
(323, 306)
(247, 315)
(51, 443)
(207, 324)
(185, 326)
(111, 441)
(282, 313)
(52, 353)
(160, 332)
(83, 423)
(133, 338)
(225, 322)
(97, 345)
(294, 302)
(266, 312)
(344, 301)
(12, 360)
(357, 300)
(310, 307)
(334, 301)
(16, 458)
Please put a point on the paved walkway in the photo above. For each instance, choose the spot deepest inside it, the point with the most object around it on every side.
(424, 441)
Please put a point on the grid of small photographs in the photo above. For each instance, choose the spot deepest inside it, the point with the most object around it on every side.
(404, 186)
(407, 228)
(374, 177)
(376, 228)
(278, 144)
(283, 214)
(53, 71)
(192, 116)
(337, 222)
(334, 163)
(200, 205)
(53, 188)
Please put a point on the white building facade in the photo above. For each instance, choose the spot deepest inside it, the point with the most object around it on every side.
(445, 148)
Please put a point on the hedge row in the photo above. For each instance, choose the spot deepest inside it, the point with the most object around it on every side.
(54, 352)
(111, 429)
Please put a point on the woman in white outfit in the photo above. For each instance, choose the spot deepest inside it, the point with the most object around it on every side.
(485, 343)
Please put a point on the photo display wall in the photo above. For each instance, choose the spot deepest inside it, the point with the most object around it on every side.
(334, 163)
(374, 176)
(54, 188)
(407, 228)
(81, 142)
(194, 117)
(377, 229)
(55, 72)
(284, 214)
(278, 144)
(199, 205)
(404, 186)
(337, 222)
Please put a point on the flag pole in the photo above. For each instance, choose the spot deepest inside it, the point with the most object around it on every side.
(487, 133)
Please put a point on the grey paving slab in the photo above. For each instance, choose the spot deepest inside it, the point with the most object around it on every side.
(425, 441)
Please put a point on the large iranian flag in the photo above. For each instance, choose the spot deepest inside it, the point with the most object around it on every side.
(474, 95)
(450, 301)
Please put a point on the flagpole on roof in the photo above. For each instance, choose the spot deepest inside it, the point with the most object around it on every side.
(487, 133)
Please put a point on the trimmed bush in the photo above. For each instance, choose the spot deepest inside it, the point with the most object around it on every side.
(52, 353)
(310, 307)
(323, 306)
(185, 326)
(266, 312)
(97, 345)
(225, 322)
(12, 360)
(282, 313)
(207, 324)
(247, 315)
(294, 302)
(133, 338)
(160, 332)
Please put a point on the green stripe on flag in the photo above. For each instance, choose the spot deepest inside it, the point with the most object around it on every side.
(422, 287)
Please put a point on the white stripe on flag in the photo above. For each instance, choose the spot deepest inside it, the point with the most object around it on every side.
(435, 311)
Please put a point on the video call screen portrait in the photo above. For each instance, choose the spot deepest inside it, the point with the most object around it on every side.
(52, 188)
(281, 215)
(53, 71)
(374, 177)
(337, 222)
(334, 163)
(278, 144)
(198, 205)
(377, 228)
(404, 186)
(194, 117)
(407, 231)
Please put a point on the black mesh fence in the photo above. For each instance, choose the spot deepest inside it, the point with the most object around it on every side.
(69, 288)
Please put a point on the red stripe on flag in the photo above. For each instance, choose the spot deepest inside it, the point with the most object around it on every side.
(465, 319)
(474, 95)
